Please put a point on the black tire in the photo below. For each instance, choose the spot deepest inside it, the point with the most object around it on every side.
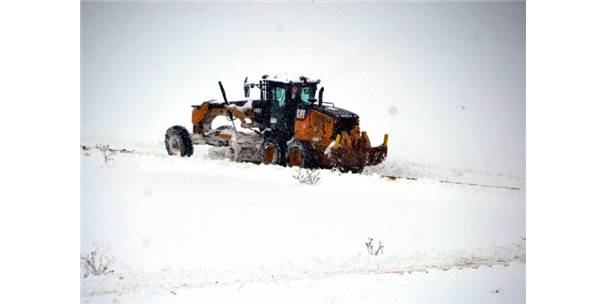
(300, 154)
(272, 153)
(356, 170)
(352, 170)
(178, 142)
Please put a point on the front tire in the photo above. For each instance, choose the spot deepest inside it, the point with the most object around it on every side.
(178, 141)
(300, 154)
(272, 153)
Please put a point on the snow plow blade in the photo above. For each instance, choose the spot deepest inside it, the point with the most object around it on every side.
(354, 152)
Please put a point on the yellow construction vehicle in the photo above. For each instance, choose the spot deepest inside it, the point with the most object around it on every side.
(286, 125)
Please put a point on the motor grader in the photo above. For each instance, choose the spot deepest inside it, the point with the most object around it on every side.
(286, 125)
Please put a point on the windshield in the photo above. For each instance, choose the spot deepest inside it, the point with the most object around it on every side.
(307, 93)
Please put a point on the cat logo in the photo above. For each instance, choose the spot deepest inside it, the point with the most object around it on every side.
(300, 113)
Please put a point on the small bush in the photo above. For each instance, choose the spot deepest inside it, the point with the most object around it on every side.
(307, 176)
(371, 249)
(96, 263)
(107, 153)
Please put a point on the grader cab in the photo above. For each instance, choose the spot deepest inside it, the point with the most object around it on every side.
(286, 125)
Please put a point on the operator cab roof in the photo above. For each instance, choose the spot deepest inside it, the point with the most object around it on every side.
(289, 79)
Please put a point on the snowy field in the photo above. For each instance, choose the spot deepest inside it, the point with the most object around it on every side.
(445, 80)
(195, 230)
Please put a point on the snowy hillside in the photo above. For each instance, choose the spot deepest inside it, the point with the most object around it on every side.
(200, 229)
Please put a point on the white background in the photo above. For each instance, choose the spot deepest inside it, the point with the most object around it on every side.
(40, 168)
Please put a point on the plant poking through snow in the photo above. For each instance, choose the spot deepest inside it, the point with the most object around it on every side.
(307, 176)
(107, 153)
(96, 263)
(371, 249)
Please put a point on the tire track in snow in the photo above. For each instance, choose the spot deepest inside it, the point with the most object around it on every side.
(479, 185)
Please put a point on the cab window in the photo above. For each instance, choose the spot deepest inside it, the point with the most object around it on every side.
(279, 96)
(278, 102)
(305, 95)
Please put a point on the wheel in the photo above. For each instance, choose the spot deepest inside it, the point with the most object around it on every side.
(271, 152)
(300, 154)
(178, 142)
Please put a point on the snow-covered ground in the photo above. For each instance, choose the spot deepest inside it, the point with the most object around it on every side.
(484, 285)
(208, 230)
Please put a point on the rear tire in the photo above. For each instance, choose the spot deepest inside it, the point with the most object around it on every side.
(272, 153)
(178, 142)
(300, 154)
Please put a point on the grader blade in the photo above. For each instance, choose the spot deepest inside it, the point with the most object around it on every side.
(354, 152)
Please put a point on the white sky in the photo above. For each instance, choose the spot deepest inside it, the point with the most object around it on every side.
(445, 80)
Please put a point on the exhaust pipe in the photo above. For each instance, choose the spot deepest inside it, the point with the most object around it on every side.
(320, 96)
